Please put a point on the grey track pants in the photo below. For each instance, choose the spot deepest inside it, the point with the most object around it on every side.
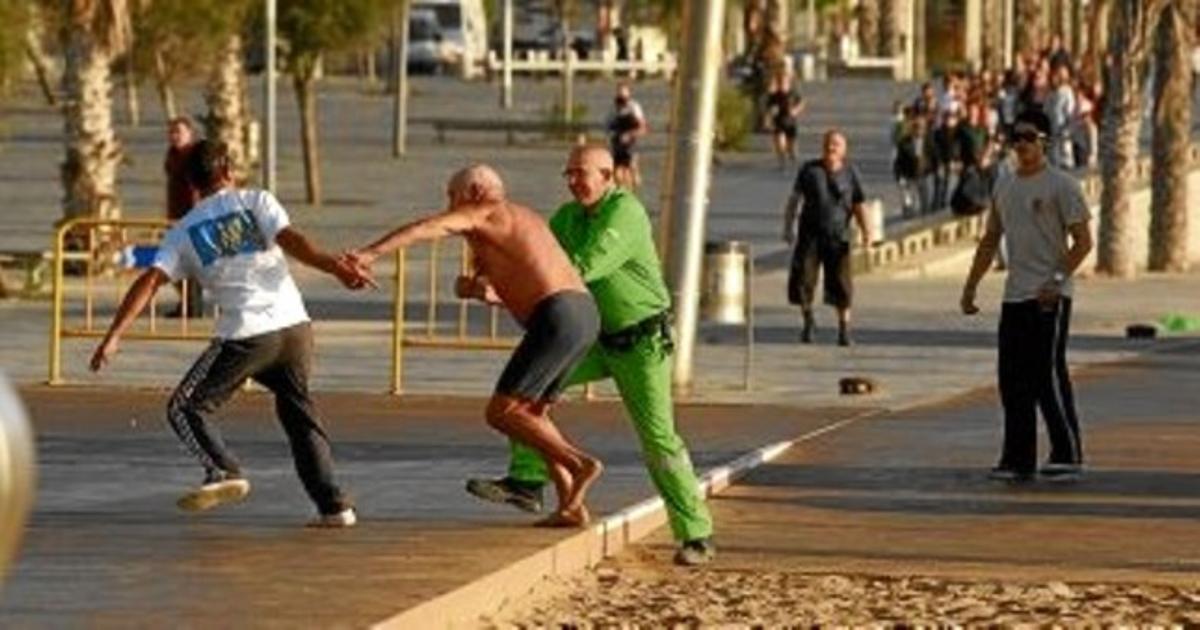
(280, 361)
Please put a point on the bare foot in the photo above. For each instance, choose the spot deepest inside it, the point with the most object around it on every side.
(589, 470)
(577, 517)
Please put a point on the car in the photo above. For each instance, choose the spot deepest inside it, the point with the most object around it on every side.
(463, 28)
(428, 51)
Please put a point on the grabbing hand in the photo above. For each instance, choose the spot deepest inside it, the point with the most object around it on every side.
(465, 288)
(103, 354)
(353, 270)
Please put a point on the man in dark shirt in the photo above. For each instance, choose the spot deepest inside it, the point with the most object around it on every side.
(181, 196)
(831, 194)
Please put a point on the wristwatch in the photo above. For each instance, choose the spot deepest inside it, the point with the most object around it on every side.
(1059, 277)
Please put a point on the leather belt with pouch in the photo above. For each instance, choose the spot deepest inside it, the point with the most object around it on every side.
(626, 338)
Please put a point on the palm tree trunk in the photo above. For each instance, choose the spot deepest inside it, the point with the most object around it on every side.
(37, 54)
(1174, 39)
(888, 31)
(162, 83)
(868, 28)
(1128, 39)
(991, 54)
(228, 118)
(93, 152)
(1029, 25)
(305, 82)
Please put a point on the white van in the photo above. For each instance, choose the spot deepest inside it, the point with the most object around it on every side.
(464, 27)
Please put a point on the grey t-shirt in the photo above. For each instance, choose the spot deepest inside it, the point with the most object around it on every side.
(1035, 212)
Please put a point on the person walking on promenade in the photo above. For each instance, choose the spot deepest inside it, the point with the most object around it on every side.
(607, 235)
(784, 106)
(828, 193)
(181, 197)
(626, 124)
(233, 242)
(519, 264)
(1039, 210)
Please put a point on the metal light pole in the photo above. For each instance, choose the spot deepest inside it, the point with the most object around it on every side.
(1007, 8)
(400, 84)
(506, 84)
(689, 160)
(269, 134)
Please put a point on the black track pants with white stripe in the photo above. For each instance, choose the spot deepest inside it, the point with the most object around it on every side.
(1033, 375)
(280, 361)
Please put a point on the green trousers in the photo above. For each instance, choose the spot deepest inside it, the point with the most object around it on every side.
(643, 377)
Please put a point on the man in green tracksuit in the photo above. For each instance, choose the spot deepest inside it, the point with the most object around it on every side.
(607, 235)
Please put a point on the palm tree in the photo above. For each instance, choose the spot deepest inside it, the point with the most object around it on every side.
(868, 27)
(888, 29)
(229, 116)
(96, 31)
(313, 28)
(1174, 39)
(201, 38)
(1028, 33)
(1131, 24)
(12, 29)
(35, 50)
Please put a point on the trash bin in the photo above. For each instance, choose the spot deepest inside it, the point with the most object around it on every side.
(724, 293)
(873, 208)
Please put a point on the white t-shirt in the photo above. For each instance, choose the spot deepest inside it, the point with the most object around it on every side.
(227, 242)
(1036, 212)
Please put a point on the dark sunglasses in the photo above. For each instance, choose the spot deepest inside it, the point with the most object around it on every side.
(1026, 136)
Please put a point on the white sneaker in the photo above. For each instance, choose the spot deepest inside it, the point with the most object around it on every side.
(345, 518)
(214, 493)
(1054, 471)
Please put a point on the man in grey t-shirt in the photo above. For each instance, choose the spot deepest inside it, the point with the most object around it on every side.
(1042, 212)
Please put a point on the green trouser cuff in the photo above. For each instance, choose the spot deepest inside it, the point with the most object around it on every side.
(526, 466)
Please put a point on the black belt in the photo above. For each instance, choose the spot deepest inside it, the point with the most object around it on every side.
(626, 338)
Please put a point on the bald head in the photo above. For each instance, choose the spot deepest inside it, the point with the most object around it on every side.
(589, 173)
(475, 184)
(591, 156)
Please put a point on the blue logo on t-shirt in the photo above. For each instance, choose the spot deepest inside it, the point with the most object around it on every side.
(226, 236)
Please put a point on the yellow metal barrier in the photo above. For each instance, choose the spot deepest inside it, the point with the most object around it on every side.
(431, 338)
(94, 247)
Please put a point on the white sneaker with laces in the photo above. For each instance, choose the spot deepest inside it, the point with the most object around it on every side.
(345, 518)
(214, 493)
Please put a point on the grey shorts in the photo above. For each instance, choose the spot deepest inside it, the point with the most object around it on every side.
(557, 337)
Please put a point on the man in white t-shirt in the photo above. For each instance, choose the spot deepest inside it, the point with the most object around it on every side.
(1041, 212)
(233, 242)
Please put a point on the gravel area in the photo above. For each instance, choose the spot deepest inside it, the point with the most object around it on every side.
(648, 595)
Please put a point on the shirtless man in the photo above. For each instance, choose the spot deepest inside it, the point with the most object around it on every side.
(518, 263)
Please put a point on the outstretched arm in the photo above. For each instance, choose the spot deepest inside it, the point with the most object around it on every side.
(136, 299)
(295, 244)
(454, 221)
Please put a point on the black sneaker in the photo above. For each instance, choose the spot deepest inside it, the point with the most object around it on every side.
(523, 496)
(1061, 471)
(696, 552)
(844, 338)
(1001, 473)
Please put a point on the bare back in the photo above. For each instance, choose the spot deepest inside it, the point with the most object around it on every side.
(522, 260)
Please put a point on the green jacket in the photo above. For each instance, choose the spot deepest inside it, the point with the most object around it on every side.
(613, 249)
